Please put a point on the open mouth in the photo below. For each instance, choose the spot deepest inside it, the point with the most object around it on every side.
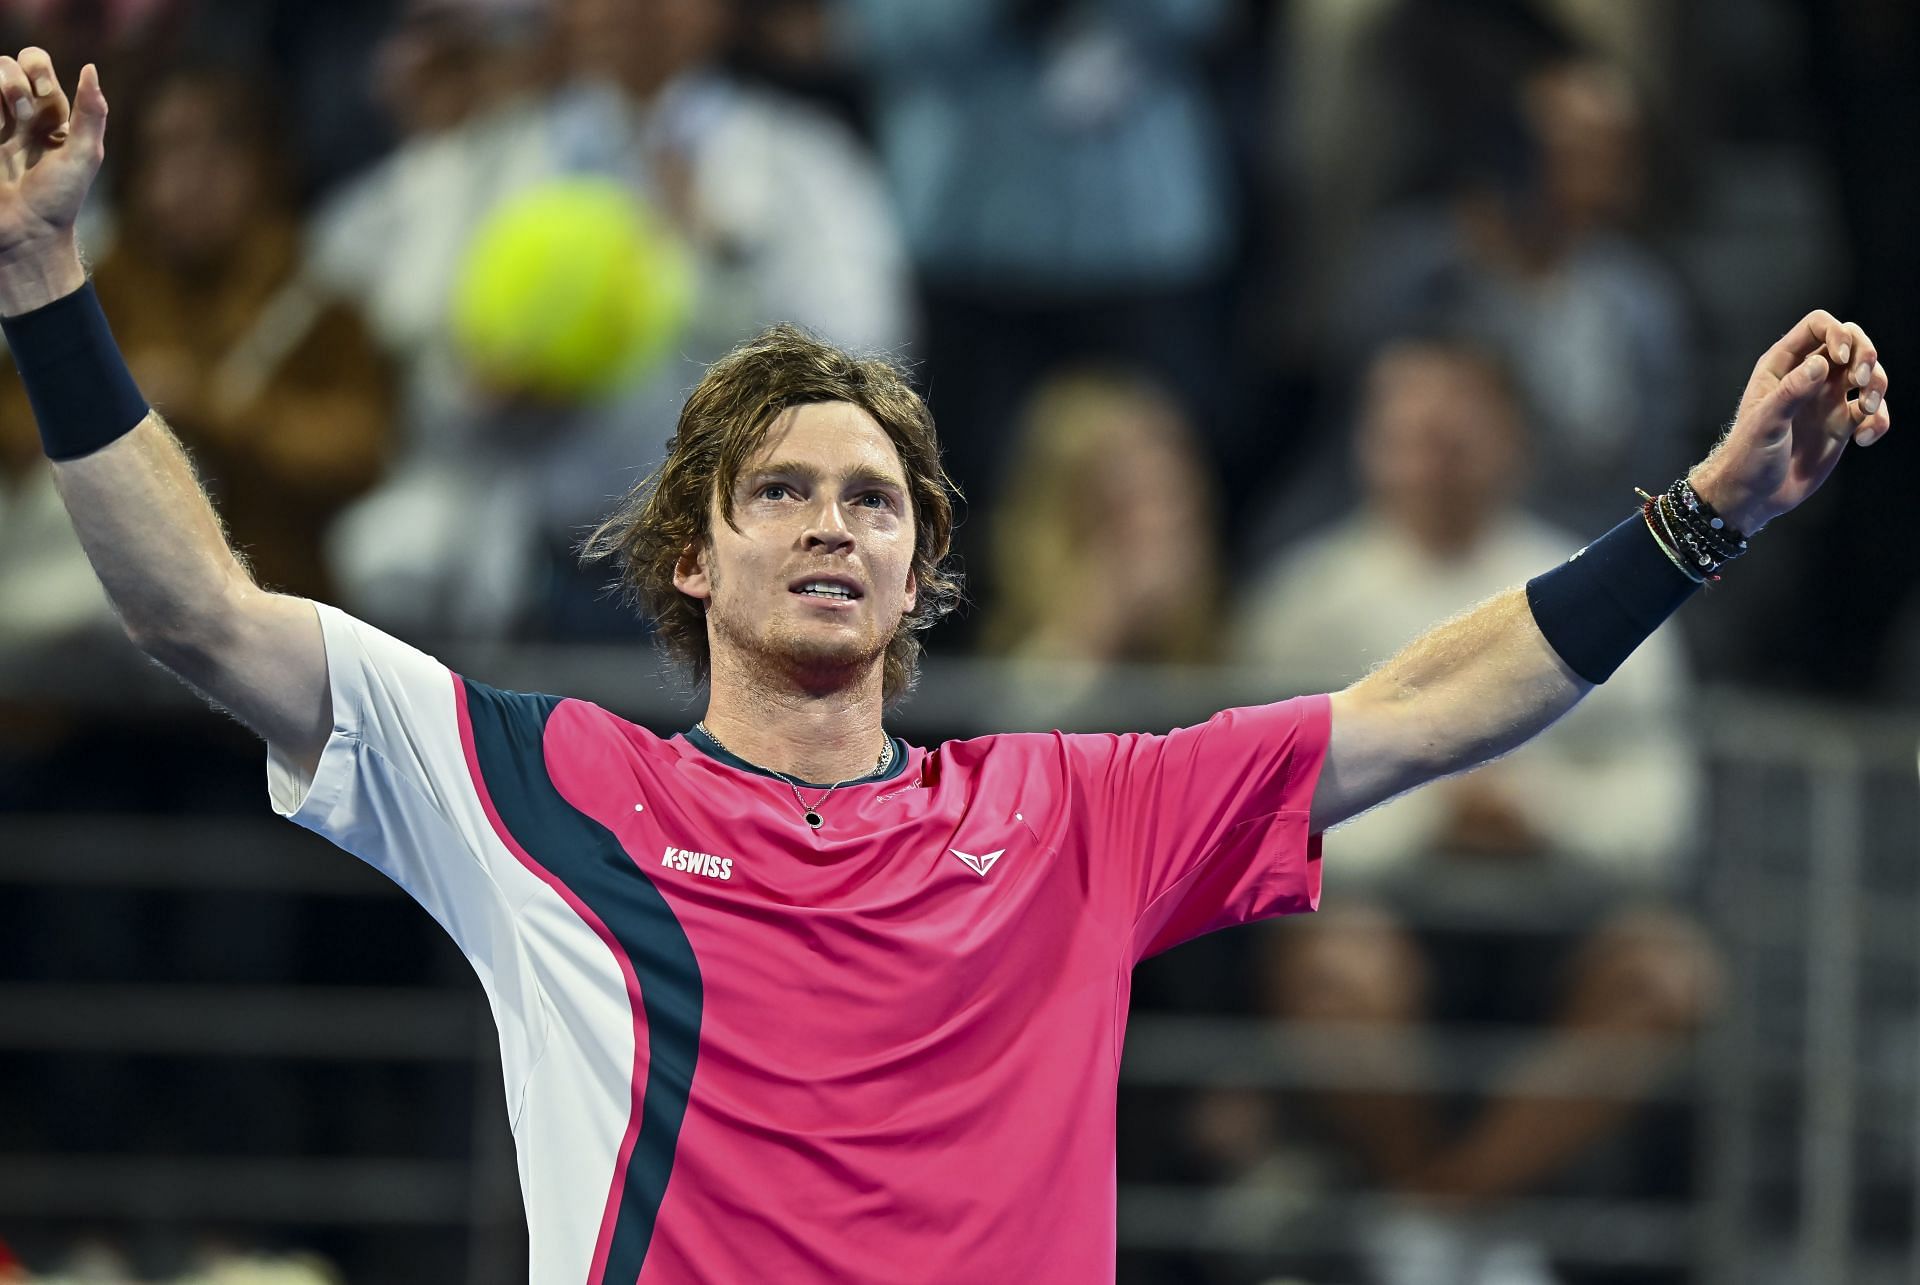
(826, 590)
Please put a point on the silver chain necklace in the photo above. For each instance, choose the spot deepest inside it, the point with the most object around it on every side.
(811, 812)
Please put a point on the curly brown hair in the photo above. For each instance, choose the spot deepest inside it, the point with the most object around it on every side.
(723, 424)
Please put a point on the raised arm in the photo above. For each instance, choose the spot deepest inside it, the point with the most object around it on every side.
(1489, 680)
(147, 526)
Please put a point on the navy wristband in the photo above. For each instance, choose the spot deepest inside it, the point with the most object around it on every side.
(1607, 599)
(82, 393)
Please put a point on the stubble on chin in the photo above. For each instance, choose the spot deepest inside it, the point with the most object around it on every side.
(779, 652)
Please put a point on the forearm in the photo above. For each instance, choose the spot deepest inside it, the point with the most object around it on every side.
(154, 540)
(1472, 688)
(38, 275)
(148, 528)
(1483, 683)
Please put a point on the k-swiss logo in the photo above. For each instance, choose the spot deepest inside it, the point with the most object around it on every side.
(701, 863)
(980, 864)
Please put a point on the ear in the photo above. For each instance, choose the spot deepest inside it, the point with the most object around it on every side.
(913, 591)
(690, 573)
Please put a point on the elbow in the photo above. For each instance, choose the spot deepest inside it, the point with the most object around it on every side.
(1418, 737)
(171, 642)
(187, 634)
(1393, 747)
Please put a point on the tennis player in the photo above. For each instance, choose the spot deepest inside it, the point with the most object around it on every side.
(784, 998)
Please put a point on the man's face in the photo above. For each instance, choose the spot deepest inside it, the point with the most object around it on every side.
(1439, 445)
(816, 580)
(202, 185)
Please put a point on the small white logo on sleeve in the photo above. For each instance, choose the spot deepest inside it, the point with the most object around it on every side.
(980, 864)
(700, 863)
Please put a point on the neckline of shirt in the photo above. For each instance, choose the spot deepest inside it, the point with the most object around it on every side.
(714, 750)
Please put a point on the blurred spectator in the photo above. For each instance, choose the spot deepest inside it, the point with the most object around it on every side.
(464, 83)
(459, 79)
(1105, 549)
(131, 43)
(274, 386)
(1441, 450)
(1065, 189)
(1591, 821)
(1530, 252)
(786, 210)
(794, 46)
(784, 218)
(1367, 94)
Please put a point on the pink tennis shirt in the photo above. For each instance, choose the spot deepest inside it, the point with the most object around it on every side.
(738, 1049)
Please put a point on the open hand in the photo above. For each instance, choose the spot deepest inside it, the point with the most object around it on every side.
(1819, 387)
(49, 152)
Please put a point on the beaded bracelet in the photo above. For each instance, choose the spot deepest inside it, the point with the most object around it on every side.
(1650, 515)
(1694, 537)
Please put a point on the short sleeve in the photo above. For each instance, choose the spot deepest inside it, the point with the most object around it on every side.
(1205, 827)
(394, 788)
(391, 780)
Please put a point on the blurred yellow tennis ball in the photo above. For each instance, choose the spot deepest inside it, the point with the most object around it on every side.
(570, 290)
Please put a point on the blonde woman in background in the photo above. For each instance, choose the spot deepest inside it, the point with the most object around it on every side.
(1105, 550)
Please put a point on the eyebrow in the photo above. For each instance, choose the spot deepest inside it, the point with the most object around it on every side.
(862, 474)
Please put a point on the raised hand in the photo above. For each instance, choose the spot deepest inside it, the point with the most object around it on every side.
(1819, 387)
(49, 152)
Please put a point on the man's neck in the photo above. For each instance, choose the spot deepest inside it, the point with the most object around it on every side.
(833, 735)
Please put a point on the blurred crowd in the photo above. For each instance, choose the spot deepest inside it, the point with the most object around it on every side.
(1261, 333)
(421, 282)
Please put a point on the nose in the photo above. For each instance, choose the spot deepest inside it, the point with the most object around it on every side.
(829, 532)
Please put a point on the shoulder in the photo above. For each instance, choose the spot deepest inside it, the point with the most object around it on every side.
(998, 747)
(1001, 762)
(584, 721)
(1068, 753)
(587, 752)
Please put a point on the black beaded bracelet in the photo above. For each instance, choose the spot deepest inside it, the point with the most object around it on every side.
(1701, 518)
(1695, 537)
(83, 396)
